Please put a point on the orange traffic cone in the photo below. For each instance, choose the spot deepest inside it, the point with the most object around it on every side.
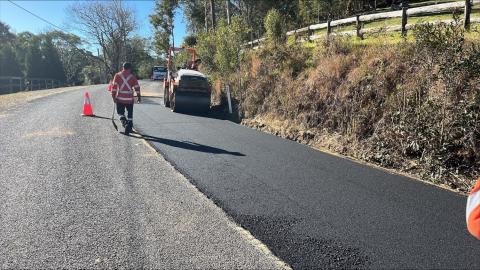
(87, 106)
(110, 86)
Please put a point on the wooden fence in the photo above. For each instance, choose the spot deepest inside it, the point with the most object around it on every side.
(15, 84)
(309, 32)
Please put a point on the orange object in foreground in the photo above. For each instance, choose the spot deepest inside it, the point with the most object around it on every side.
(87, 106)
(473, 211)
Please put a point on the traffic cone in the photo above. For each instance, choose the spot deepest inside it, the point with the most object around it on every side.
(87, 106)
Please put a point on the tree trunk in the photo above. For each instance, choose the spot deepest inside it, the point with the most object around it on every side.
(212, 13)
(206, 15)
(227, 6)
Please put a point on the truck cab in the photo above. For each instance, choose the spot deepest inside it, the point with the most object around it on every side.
(159, 73)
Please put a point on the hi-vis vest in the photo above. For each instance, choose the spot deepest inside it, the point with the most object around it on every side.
(124, 86)
(473, 211)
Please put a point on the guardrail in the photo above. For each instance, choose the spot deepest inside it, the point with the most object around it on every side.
(405, 13)
(14, 84)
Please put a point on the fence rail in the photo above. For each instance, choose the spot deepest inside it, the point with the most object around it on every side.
(404, 14)
(16, 84)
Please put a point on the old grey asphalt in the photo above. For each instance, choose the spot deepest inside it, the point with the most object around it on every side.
(76, 194)
(312, 209)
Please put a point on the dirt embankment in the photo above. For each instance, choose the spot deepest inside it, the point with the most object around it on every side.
(413, 107)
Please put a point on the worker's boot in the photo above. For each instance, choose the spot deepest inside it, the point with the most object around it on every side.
(123, 120)
(128, 127)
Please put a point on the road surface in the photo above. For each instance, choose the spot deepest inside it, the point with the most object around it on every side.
(310, 208)
(74, 193)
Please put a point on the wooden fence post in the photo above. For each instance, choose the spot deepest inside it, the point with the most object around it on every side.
(468, 10)
(329, 26)
(404, 21)
(359, 27)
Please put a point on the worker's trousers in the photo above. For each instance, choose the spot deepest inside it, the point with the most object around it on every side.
(121, 110)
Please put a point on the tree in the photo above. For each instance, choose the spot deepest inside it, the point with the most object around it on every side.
(91, 74)
(162, 21)
(221, 49)
(229, 45)
(9, 65)
(274, 26)
(212, 13)
(190, 40)
(52, 66)
(33, 59)
(73, 58)
(195, 11)
(5, 34)
(137, 55)
(108, 24)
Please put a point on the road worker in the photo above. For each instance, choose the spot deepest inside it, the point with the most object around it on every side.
(123, 85)
(473, 211)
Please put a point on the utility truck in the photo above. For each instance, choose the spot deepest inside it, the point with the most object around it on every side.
(159, 73)
(185, 88)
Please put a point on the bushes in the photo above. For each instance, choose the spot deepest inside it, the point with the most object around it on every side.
(274, 26)
(411, 106)
(220, 49)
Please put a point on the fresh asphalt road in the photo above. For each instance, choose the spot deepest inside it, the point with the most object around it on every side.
(74, 193)
(310, 208)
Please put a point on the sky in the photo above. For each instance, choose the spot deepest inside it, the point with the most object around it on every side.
(56, 13)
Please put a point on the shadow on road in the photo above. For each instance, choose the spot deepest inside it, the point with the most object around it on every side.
(101, 117)
(215, 112)
(185, 145)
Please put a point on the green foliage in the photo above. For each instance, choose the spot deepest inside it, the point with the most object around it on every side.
(312, 11)
(229, 41)
(9, 65)
(52, 55)
(206, 49)
(33, 59)
(92, 74)
(144, 68)
(220, 50)
(5, 34)
(190, 40)
(51, 65)
(274, 26)
(194, 12)
(296, 13)
(162, 21)
(180, 59)
(72, 57)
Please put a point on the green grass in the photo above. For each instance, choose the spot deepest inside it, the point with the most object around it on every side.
(386, 38)
(395, 37)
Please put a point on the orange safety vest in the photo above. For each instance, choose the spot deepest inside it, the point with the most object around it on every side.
(473, 211)
(124, 84)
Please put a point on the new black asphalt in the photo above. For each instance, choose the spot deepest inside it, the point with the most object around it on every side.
(312, 209)
(74, 193)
